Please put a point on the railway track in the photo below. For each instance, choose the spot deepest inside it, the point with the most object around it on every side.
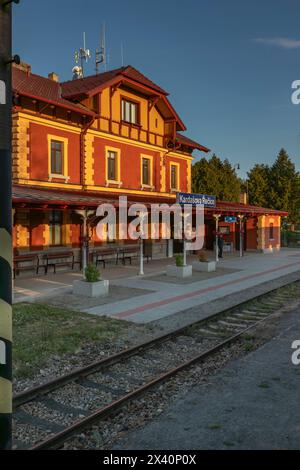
(47, 415)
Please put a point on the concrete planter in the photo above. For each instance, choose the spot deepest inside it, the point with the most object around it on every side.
(179, 271)
(204, 266)
(90, 289)
(267, 251)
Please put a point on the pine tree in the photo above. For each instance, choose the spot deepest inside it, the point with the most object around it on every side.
(282, 177)
(259, 185)
(217, 178)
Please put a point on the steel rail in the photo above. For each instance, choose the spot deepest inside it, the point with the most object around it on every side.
(97, 366)
(56, 441)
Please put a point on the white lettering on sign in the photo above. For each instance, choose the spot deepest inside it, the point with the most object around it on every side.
(2, 353)
(2, 92)
(296, 354)
(296, 94)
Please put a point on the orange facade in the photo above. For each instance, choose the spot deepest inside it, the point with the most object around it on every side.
(113, 134)
(101, 137)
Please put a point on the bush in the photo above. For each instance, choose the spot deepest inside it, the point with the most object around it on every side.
(92, 274)
(179, 261)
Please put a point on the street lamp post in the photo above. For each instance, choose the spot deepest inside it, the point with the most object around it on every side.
(141, 272)
(6, 224)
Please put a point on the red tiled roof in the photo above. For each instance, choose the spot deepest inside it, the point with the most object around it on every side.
(42, 196)
(239, 207)
(182, 139)
(38, 87)
(86, 85)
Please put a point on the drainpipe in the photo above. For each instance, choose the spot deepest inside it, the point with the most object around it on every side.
(84, 213)
(82, 145)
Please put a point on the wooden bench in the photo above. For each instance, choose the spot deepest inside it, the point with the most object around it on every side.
(130, 252)
(27, 262)
(101, 256)
(63, 258)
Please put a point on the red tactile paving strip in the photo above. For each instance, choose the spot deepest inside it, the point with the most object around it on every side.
(178, 298)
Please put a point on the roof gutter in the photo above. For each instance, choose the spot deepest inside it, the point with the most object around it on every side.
(56, 103)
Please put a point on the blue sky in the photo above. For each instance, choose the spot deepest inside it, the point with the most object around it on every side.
(228, 65)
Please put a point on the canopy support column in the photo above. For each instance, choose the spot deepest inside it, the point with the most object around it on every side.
(217, 218)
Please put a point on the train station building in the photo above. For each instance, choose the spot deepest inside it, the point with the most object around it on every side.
(88, 141)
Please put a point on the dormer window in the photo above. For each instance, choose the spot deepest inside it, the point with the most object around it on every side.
(130, 112)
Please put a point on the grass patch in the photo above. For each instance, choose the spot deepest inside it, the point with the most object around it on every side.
(249, 347)
(41, 331)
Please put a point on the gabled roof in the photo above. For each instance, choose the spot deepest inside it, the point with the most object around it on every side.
(89, 85)
(182, 139)
(41, 88)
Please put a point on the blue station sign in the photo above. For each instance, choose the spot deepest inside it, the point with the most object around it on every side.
(197, 199)
(230, 219)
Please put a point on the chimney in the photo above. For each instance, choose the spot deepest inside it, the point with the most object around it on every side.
(24, 67)
(54, 77)
(244, 198)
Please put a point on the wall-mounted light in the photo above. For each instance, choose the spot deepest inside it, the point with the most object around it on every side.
(16, 59)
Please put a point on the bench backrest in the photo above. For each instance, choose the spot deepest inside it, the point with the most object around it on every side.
(58, 255)
(105, 252)
(20, 258)
(130, 250)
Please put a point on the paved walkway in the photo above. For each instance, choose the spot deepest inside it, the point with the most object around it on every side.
(168, 297)
(252, 404)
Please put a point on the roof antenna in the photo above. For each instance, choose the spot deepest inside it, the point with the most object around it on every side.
(101, 57)
(82, 56)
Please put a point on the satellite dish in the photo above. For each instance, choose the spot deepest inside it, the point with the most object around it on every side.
(77, 72)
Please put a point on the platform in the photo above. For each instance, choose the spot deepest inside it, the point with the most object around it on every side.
(157, 296)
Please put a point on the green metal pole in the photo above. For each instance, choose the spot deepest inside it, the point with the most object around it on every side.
(5, 226)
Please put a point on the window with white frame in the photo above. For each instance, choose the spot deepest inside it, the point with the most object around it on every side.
(57, 157)
(130, 112)
(174, 177)
(146, 171)
(112, 166)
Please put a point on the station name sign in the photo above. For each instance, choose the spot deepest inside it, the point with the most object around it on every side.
(230, 219)
(197, 199)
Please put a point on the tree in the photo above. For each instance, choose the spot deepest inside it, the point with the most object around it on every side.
(259, 185)
(282, 179)
(230, 183)
(276, 187)
(216, 177)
